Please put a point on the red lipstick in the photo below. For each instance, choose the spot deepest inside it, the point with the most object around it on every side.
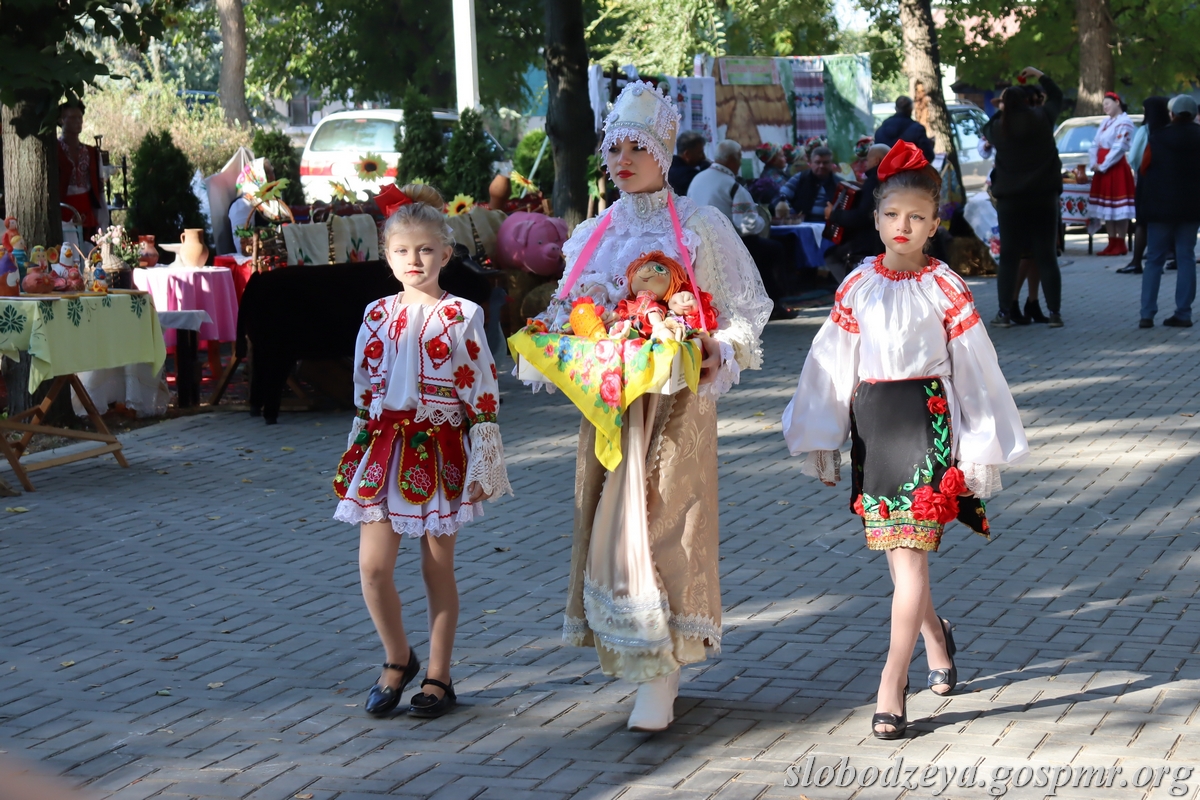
(624, 174)
(900, 239)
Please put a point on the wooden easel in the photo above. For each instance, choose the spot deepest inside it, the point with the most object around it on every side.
(14, 451)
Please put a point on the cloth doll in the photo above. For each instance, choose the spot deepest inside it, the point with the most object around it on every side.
(653, 278)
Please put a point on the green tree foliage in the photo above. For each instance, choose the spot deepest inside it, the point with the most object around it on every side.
(375, 49)
(663, 36)
(419, 141)
(162, 200)
(41, 62)
(468, 159)
(1154, 49)
(527, 153)
(277, 147)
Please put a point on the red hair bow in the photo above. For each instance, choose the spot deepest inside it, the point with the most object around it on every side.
(390, 199)
(1113, 95)
(902, 157)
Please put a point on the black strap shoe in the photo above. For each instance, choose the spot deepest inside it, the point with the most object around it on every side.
(428, 705)
(1033, 311)
(382, 700)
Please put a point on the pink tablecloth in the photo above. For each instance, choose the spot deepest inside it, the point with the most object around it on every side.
(208, 289)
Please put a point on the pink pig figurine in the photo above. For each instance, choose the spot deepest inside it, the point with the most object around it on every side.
(532, 242)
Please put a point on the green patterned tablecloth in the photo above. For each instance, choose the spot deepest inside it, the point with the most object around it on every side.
(71, 335)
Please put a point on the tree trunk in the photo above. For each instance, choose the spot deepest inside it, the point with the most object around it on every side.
(923, 67)
(1096, 74)
(30, 195)
(31, 180)
(569, 122)
(232, 86)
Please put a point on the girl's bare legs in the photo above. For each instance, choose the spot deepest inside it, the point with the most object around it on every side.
(437, 568)
(378, 545)
(912, 613)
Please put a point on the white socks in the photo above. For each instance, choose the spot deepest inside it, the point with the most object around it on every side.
(654, 708)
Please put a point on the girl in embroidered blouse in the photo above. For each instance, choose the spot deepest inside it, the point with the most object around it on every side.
(903, 369)
(425, 449)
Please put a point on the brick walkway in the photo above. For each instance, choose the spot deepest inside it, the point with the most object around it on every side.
(192, 626)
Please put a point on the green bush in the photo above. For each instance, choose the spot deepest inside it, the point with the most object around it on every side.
(468, 159)
(526, 154)
(419, 141)
(277, 147)
(162, 204)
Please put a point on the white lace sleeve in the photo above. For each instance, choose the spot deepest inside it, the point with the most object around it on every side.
(728, 374)
(725, 269)
(983, 480)
(355, 429)
(485, 465)
(824, 465)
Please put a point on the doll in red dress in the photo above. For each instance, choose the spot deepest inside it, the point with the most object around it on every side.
(658, 306)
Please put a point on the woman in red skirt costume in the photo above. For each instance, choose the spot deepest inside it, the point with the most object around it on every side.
(1112, 181)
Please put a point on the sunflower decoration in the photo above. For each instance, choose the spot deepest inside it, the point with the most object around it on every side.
(371, 167)
(519, 181)
(271, 190)
(341, 192)
(461, 204)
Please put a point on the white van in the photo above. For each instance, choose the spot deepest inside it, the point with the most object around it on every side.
(342, 138)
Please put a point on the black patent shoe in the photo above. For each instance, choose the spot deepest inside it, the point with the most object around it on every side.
(428, 705)
(382, 700)
(1033, 311)
(899, 722)
(1132, 268)
(945, 677)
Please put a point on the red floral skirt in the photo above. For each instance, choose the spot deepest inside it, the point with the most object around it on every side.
(407, 471)
(906, 486)
(1112, 193)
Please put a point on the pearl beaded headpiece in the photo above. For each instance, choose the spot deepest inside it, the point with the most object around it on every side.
(643, 114)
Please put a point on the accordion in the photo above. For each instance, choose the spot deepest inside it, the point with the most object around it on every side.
(847, 193)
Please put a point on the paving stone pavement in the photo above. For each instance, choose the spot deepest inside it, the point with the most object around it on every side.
(192, 627)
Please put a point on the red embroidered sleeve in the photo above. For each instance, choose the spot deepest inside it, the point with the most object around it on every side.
(842, 314)
(961, 316)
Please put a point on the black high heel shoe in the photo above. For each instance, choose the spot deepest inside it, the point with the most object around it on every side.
(899, 722)
(428, 705)
(1033, 311)
(945, 677)
(382, 700)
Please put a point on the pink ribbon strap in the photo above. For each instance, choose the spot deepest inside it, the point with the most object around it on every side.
(585, 255)
(593, 242)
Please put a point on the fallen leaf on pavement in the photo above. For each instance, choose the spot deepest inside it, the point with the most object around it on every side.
(305, 796)
(760, 413)
(288, 449)
(68, 663)
(214, 516)
(247, 480)
(16, 509)
(162, 472)
(169, 658)
(502, 549)
(489, 611)
(216, 684)
(163, 693)
(125, 622)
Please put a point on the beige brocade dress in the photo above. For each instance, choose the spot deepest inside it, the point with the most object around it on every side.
(645, 586)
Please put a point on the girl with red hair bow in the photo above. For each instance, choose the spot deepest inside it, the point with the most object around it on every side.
(903, 369)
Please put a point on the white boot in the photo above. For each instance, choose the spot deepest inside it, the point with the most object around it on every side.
(654, 708)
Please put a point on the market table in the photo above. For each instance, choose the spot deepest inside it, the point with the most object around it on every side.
(808, 246)
(208, 289)
(66, 335)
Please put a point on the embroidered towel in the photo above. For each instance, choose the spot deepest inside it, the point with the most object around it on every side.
(307, 244)
(355, 239)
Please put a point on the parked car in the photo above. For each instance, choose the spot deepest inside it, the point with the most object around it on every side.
(342, 138)
(1075, 135)
(967, 119)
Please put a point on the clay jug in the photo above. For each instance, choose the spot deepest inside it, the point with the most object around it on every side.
(194, 252)
(147, 252)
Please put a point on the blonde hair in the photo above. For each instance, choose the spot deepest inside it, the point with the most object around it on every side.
(425, 211)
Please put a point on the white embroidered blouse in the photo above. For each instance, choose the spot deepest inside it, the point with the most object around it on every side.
(887, 326)
(433, 360)
(641, 223)
(1115, 134)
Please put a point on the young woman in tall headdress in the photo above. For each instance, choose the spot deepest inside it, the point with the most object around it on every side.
(645, 588)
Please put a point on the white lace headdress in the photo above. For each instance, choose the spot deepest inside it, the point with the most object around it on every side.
(642, 113)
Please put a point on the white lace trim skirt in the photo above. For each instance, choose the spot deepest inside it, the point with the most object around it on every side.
(437, 515)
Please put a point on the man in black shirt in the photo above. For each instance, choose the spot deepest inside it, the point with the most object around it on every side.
(901, 127)
(688, 161)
